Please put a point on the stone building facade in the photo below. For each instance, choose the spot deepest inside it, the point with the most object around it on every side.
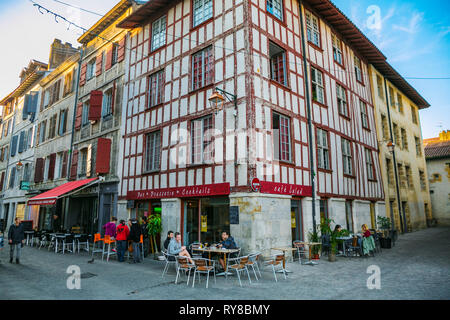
(437, 155)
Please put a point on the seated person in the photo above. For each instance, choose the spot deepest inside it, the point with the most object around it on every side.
(338, 229)
(168, 239)
(175, 248)
(227, 243)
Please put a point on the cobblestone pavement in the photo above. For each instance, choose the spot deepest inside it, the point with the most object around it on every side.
(418, 267)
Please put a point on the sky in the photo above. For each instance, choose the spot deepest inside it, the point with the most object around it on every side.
(413, 35)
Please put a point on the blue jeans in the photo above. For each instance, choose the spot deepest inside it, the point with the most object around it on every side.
(136, 252)
(18, 247)
(121, 248)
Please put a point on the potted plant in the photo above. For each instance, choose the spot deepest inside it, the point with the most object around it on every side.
(384, 223)
(313, 236)
(154, 228)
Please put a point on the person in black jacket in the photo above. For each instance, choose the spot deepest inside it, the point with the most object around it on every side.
(135, 237)
(169, 237)
(15, 239)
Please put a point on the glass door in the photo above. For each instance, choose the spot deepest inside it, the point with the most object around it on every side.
(215, 218)
(191, 222)
(296, 220)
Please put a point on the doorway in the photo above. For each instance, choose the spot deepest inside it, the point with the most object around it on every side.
(349, 215)
(297, 220)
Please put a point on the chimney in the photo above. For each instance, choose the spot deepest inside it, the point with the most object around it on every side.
(59, 52)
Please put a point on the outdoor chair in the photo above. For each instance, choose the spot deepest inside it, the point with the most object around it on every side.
(204, 266)
(107, 244)
(182, 264)
(97, 239)
(355, 247)
(68, 243)
(326, 246)
(277, 260)
(240, 265)
(232, 255)
(170, 259)
(83, 240)
(376, 237)
(50, 241)
(194, 253)
(253, 261)
(302, 253)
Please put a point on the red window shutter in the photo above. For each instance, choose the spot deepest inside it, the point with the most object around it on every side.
(95, 105)
(109, 54)
(39, 172)
(64, 165)
(78, 115)
(83, 74)
(2, 180)
(121, 50)
(113, 97)
(51, 168)
(98, 63)
(103, 155)
(74, 166)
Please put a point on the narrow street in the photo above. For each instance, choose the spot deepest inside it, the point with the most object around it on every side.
(418, 267)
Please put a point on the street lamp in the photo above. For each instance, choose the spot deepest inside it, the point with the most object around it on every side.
(216, 100)
(19, 164)
(390, 146)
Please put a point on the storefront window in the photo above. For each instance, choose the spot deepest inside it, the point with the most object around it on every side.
(296, 220)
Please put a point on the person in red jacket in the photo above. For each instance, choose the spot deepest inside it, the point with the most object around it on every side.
(122, 233)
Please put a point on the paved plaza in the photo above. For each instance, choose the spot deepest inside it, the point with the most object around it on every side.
(418, 267)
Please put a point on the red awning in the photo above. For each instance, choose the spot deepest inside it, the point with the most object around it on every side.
(49, 197)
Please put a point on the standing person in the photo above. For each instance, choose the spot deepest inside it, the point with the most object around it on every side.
(122, 233)
(144, 229)
(168, 239)
(110, 228)
(15, 239)
(135, 237)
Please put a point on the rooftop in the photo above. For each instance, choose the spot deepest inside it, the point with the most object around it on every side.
(438, 147)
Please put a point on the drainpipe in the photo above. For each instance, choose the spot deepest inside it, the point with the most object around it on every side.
(308, 110)
(395, 164)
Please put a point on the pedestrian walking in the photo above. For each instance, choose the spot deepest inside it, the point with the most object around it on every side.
(15, 239)
(122, 233)
(135, 237)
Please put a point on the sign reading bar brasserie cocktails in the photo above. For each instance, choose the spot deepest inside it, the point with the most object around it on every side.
(181, 192)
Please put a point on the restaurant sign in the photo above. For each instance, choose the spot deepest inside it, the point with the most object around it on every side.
(285, 188)
(181, 192)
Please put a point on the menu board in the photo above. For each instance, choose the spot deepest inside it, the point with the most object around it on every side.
(234, 214)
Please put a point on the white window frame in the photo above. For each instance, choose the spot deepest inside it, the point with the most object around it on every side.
(317, 84)
(277, 138)
(347, 159)
(364, 115)
(312, 28)
(369, 164)
(90, 69)
(200, 142)
(152, 160)
(337, 51)
(85, 114)
(159, 28)
(202, 11)
(323, 151)
(275, 7)
(342, 100)
(107, 101)
(358, 68)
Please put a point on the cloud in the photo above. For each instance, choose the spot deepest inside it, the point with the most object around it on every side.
(413, 26)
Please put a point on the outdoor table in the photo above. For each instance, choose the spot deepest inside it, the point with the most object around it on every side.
(217, 250)
(28, 234)
(343, 243)
(310, 245)
(60, 236)
(284, 249)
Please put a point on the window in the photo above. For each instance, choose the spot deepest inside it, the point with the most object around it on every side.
(52, 126)
(337, 49)
(408, 177)
(390, 174)
(46, 97)
(59, 165)
(369, 164)
(201, 140)
(317, 86)
(156, 87)
(380, 87)
(83, 163)
(401, 175)
(68, 83)
(341, 100)
(391, 97)
(358, 69)
(30, 138)
(423, 183)
(158, 33)
(203, 10)
(400, 103)
(277, 63)
(90, 71)
(115, 51)
(364, 117)
(12, 177)
(323, 205)
(347, 156)
(107, 103)
(418, 146)
(281, 137)
(46, 168)
(312, 28)
(323, 159)
(396, 134)
(384, 126)
(414, 115)
(42, 131)
(275, 7)
(85, 114)
(404, 139)
(152, 151)
(62, 128)
(26, 172)
(202, 68)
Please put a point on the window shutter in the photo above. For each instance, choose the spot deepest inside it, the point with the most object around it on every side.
(121, 50)
(26, 106)
(21, 141)
(89, 161)
(14, 145)
(64, 165)
(51, 167)
(108, 62)
(83, 74)
(78, 115)
(74, 166)
(103, 155)
(98, 63)
(113, 97)
(95, 105)
(2, 180)
(32, 106)
(38, 172)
